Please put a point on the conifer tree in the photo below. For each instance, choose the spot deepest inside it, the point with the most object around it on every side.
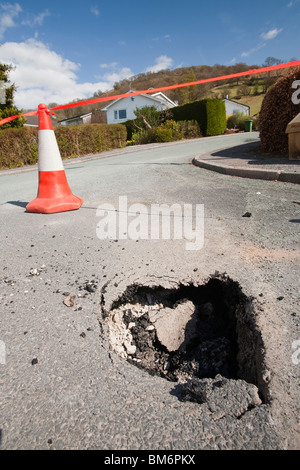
(7, 91)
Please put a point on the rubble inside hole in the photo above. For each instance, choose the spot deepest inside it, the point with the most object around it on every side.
(190, 333)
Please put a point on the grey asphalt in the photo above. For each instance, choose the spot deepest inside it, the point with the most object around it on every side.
(62, 387)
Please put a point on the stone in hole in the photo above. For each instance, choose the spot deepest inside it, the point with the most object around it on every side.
(191, 332)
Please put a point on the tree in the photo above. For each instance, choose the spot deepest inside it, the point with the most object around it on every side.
(272, 61)
(238, 68)
(187, 94)
(7, 106)
(146, 117)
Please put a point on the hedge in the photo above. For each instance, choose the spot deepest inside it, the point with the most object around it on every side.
(277, 110)
(19, 147)
(168, 131)
(209, 113)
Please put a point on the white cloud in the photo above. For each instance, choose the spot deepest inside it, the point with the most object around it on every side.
(271, 34)
(43, 76)
(95, 10)
(252, 50)
(38, 19)
(232, 61)
(112, 65)
(162, 62)
(166, 37)
(114, 77)
(8, 13)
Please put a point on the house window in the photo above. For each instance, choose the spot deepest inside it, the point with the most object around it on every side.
(122, 114)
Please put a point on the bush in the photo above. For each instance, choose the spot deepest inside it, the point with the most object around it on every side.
(255, 123)
(209, 113)
(75, 141)
(130, 127)
(168, 131)
(190, 129)
(164, 134)
(19, 146)
(173, 129)
(145, 137)
(276, 112)
(147, 116)
(213, 117)
(237, 121)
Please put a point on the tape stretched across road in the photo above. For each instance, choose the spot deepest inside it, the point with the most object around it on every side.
(155, 90)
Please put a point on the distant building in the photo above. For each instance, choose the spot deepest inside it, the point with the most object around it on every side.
(33, 121)
(123, 109)
(232, 107)
(96, 116)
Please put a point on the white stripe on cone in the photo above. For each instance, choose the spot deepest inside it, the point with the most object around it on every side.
(49, 154)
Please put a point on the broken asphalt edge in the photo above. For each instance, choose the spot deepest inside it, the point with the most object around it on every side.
(252, 173)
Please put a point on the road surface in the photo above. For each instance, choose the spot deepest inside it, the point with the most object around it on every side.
(62, 386)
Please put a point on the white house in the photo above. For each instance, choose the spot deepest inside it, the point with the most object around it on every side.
(76, 120)
(123, 109)
(96, 116)
(232, 107)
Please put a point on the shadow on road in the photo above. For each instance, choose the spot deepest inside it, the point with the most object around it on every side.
(145, 163)
(252, 152)
(18, 203)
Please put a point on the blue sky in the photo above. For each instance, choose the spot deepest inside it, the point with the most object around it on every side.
(65, 50)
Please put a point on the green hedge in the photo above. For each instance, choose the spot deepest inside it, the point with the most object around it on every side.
(19, 147)
(209, 113)
(75, 141)
(131, 128)
(168, 131)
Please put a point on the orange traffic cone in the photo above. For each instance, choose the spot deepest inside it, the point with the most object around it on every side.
(54, 194)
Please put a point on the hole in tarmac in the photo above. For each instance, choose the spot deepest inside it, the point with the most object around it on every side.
(189, 332)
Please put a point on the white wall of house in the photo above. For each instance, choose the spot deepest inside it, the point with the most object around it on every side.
(123, 109)
(232, 107)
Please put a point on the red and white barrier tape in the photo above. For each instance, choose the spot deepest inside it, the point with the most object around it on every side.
(155, 90)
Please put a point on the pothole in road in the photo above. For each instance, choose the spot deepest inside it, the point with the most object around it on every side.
(203, 336)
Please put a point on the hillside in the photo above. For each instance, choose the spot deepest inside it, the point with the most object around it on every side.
(247, 90)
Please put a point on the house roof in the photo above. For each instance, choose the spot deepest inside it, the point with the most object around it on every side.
(33, 121)
(151, 97)
(164, 98)
(81, 116)
(73, 118)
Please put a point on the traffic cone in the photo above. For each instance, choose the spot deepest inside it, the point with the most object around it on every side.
(54, 194)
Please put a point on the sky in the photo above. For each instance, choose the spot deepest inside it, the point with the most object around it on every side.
(67, 50)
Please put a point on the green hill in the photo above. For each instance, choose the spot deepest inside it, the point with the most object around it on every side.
(247, 90)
